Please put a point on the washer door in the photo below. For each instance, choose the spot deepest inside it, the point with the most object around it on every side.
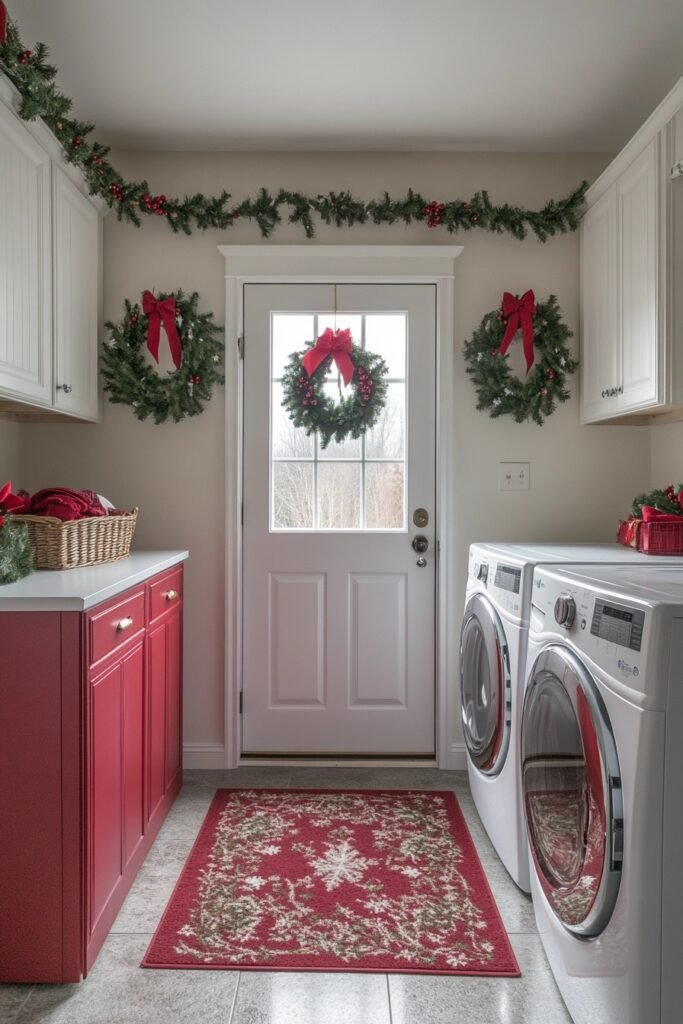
(572, 792)
(484, 686)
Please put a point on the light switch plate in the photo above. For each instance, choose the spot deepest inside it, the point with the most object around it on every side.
(513, 476)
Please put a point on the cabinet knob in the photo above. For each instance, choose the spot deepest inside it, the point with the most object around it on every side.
(66, 388)
(171, 595)
(124, 624)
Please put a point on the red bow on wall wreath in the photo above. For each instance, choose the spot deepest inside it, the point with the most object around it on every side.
(307, 402)
(549, 360)
(519, 313)
(160, 311)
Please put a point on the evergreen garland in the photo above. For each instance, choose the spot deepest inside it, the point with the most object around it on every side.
(311, 408)
(131, 380)
(15, 554)
(498, 390)
(34, 78)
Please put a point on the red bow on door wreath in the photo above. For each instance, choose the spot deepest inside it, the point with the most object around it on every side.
(158, 311)
(337, 344)
(519, 313)
(3, 23)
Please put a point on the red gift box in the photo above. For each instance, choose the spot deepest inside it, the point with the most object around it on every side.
(652, 538)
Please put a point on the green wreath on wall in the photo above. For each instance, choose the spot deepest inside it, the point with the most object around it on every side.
(549, 359)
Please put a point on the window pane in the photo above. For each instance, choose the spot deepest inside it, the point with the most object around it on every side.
(289, 442)
(339, 496)
(293, 495)
(385, 335)
(384, 500)
(343, 322)
(386, 440)
(290, 332)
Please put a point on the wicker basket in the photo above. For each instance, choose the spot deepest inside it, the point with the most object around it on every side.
(67, 545)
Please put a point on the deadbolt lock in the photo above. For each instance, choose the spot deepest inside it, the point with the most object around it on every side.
(420, 518)
(420, 544)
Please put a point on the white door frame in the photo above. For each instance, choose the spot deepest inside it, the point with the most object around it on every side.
(358, 264)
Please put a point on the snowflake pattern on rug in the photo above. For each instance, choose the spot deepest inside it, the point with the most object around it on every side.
(336, 880)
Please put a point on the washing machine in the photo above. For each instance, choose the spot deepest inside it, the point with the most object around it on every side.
(492, 667)
(602, 776)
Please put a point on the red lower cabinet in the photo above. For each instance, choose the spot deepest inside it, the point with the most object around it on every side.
(90, 756)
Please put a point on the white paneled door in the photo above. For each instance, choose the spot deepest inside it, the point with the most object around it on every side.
(338, 607)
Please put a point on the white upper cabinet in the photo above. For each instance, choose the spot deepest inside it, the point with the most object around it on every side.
(632, 348)
(50, 259)
(25, 265)
(76, 237)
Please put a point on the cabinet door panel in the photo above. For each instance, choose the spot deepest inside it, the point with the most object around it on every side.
(76, 276)
(25, 283)
(173, 694)
(106, 808)
(133, 746)
(600, 369)
(638, 294)
(156, 731)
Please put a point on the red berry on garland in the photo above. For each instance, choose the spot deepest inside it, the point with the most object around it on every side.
(59, 126)
(433, 213)
(77, 142)
(550, 374)
(195, 379)
(474, 218)
(235, 214)
(464, 206)
(25, 56)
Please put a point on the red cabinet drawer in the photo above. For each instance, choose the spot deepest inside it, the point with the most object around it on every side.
(165, 592)
(114, 625)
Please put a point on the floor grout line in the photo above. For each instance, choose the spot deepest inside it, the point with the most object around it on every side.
(234, 998)
(391, 1017)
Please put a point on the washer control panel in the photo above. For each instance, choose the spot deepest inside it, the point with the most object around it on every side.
(502, 580)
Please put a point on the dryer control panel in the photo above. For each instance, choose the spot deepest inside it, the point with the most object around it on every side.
(618, 624)
(501, 580)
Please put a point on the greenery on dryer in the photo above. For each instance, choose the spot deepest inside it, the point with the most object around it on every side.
(34, 78)
(130, 378)
(499, 391)
(669, 501)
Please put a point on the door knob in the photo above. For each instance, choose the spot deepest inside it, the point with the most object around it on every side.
(420, 544)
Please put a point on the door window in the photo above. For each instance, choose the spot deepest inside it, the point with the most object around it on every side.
(358, 484)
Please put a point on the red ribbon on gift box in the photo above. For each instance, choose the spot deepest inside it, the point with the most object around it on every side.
(519, 313)
(337, 344)
(650, 514)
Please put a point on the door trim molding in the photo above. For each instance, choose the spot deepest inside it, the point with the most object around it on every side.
(370, 264)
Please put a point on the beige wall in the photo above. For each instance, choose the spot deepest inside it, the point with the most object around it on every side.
(9, 451)
(582, 478)
(666, 454)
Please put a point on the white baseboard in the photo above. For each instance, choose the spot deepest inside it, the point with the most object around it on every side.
(203, 755)
(457, 758)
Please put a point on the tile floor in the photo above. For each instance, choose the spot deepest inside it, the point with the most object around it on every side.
(117, 991)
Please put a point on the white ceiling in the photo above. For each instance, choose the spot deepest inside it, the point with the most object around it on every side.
(516, 75)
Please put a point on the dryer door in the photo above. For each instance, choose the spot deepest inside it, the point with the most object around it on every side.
(484, 686)
(571, 785)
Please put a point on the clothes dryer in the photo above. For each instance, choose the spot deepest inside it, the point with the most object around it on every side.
(601, 769)
(492, 668)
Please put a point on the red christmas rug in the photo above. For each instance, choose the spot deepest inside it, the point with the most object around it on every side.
(319, 880)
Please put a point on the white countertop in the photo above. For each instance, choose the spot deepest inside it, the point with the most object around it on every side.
(78, 589)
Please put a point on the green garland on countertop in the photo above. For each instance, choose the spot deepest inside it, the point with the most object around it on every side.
(16, 559)
(32, 75)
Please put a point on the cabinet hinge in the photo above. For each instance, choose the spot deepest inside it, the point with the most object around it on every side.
(241, 701)
(240, 346)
